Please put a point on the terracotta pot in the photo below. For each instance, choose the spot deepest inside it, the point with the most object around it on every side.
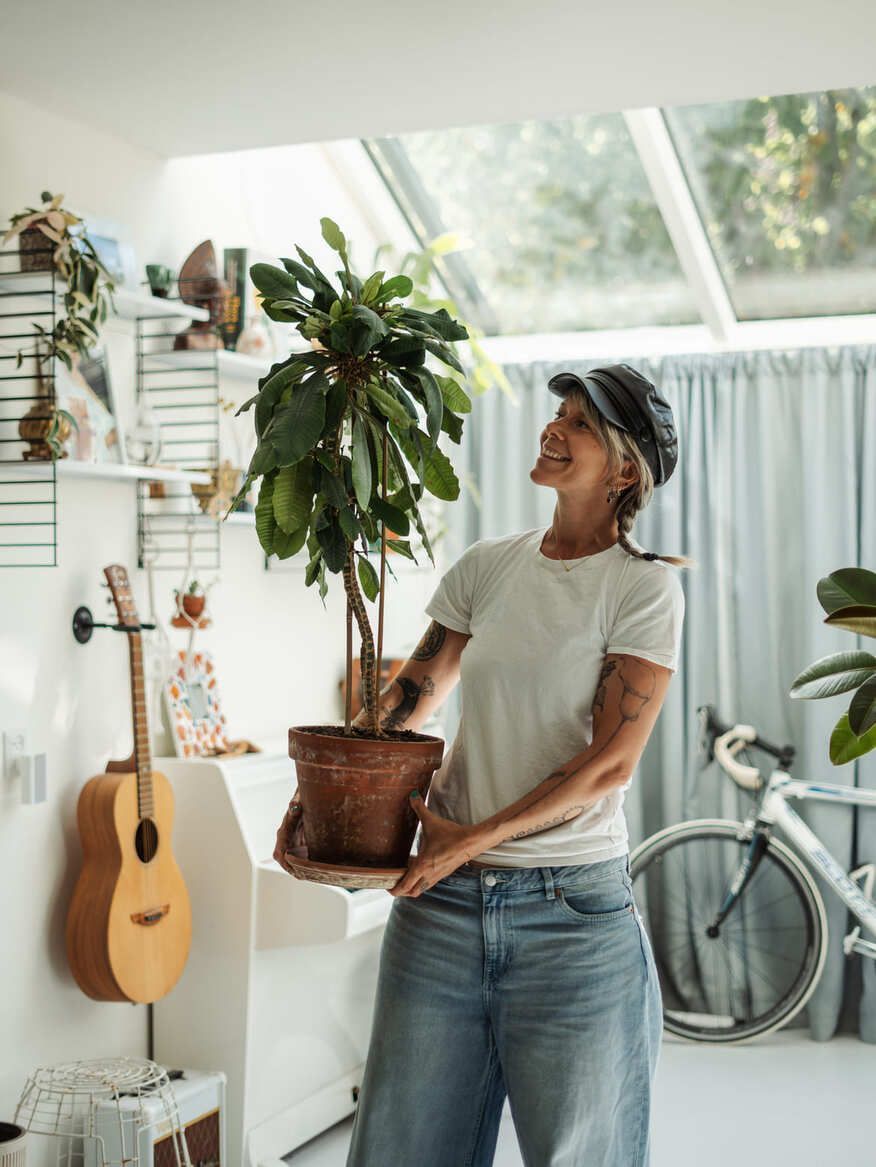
(354, 792)
(36, 250)
(193, 605)
(34, 428)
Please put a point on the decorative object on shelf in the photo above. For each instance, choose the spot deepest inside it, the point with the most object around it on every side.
(193, 707)
(255, 340)
(335, 425)
(105, 1112)
(129, 922)
(89, 284)
(160, 279)
(201, 285)
(86, 392)
(848, 596)
(143, 438)
(237, 278)
(215, 499)
(45, 427)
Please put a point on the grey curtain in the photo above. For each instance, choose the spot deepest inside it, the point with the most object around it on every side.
(775, 488)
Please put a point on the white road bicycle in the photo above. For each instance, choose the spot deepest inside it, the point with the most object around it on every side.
(735, 918)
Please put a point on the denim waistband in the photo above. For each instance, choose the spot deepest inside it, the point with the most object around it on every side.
(514, 879)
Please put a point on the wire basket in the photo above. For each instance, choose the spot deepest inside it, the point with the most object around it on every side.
(103, 1112)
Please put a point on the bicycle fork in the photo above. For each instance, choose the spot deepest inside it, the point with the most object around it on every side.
(745, 873)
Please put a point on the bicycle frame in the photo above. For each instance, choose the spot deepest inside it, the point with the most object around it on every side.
(773, 809)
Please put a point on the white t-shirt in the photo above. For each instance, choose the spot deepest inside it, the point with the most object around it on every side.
(528, 677)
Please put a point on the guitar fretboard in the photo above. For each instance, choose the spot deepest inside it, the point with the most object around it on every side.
(142, 752)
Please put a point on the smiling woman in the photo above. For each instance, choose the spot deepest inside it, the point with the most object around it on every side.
(522, 873)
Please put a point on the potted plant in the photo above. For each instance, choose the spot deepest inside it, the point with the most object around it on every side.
(160, 279)
(338, 426)
(89, 285)
(191, 601)
(849, 598)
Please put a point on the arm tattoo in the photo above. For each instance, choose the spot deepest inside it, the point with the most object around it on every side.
(632, 702)
(431, 643)
(411, 693)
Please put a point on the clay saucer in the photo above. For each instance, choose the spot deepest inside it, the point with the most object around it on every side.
(182, 622)
(342, 875)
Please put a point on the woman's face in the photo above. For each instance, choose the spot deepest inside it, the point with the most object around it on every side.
(569, 435)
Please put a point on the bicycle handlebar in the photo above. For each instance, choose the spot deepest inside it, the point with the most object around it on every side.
(725, 741)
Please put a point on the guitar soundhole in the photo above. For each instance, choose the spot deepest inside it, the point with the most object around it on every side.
(147, 840)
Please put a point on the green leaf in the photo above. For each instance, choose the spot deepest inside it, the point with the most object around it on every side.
(368, 578)
(862, 711)
(349, 524)
(274, 385)
(833, 674)
(293, 495)
(387, 404)
(335, 405)
(264, 460)
(366, 329)
(455, 397)
(396, 288)
(438, 476)
(298, 424)
(402, 546)
(334, 237)
(332, 487)
(434, 403)
(264, 515)
(849, 585)
(404, 351)
(452, 426)
(845, 745)
(312, 569)
(289, 543)
(361, 463)
(334, 546)
(372, 286)
(445, 354)
(395, 519)
(859, 618)
(273, 281)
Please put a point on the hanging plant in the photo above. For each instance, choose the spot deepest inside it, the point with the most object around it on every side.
(89, 285)
(339, 425)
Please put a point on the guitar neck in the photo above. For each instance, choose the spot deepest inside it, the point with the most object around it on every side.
(142, 752)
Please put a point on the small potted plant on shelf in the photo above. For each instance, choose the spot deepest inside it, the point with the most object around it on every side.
(190, 602)
(53, 237)
(347, 434)
(848, 596)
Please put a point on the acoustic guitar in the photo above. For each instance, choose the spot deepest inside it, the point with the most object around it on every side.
(129, 925)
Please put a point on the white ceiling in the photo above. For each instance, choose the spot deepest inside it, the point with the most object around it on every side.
(192, 76)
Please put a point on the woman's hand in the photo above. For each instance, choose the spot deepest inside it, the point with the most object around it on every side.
(290, 835)
(444, 846)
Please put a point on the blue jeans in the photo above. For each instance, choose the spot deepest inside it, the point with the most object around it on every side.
(538, 983)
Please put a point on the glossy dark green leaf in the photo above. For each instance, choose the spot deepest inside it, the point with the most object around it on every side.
(368, 578)
(298, 424)
(273, 281)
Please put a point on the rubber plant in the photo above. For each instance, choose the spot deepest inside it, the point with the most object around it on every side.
(848, 596)
(348, 431)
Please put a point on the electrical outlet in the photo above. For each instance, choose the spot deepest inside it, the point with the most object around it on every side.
(14, 748)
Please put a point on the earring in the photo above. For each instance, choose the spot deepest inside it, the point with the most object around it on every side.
(612, 495)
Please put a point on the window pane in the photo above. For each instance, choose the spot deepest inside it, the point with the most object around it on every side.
(786, 187)
(565, 232)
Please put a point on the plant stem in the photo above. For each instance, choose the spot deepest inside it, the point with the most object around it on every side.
(382, 578)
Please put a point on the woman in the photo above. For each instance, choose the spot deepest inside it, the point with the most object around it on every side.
(514, 961)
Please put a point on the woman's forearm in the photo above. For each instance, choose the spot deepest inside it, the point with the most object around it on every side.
(562, 796)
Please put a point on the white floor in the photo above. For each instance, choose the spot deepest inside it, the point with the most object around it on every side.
(782, 1101)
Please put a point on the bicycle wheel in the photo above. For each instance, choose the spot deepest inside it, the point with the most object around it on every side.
(754, 971)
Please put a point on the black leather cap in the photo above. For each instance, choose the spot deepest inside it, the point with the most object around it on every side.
(633, 403)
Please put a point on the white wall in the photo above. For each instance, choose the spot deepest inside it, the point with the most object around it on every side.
(279, 653)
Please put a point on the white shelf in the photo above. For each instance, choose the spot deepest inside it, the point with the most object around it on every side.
(130, 473)
(129, 304)
(237, 365)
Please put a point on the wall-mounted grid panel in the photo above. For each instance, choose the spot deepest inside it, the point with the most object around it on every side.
(182, 388)
(28, 484)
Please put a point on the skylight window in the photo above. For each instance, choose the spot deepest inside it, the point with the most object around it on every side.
(565, 233)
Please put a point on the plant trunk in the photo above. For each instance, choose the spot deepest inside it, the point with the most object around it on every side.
(369, 668)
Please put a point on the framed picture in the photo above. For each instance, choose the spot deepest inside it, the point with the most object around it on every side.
(85, 391)
(197, 723)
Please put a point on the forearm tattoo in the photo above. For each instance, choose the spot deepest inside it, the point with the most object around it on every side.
(411, 693)
(632, 702)
(431, 643)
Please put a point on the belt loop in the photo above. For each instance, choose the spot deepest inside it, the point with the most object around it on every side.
(548, 877)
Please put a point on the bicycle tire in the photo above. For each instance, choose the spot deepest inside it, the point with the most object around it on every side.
(813, 923)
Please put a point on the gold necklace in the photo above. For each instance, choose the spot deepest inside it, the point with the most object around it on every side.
(568, 568)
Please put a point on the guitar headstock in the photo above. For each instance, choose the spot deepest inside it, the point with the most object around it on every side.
(120, 586)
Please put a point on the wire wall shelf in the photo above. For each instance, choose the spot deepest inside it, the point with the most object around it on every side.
(28, 474)
(181, 388)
